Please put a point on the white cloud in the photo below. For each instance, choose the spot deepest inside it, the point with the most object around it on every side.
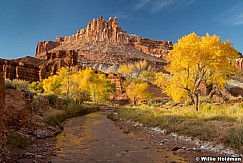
(160, 4)
(234, 15)
(154, 6)
(124, 15)
(140, 4)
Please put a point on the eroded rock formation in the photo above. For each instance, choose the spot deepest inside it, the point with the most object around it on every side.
(21, 69)
(100, 30)
(2, 108)
(33, 69)
(152, 47)
(107, 32)
(239, 64)
(43, 47)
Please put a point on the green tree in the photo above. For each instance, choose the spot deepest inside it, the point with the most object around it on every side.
(148, 75)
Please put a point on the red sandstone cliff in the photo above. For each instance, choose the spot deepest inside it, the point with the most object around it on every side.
(43, 47)
(34, 69)
(2, 108)
(102, 32)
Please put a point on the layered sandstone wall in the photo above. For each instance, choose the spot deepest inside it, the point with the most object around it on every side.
(33, 69)
(2, 110)
(155, 48)
(13, 69)
(70, 57)
(43, 47)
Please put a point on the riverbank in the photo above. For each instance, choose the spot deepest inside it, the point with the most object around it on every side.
(105, 136)
(219, 125)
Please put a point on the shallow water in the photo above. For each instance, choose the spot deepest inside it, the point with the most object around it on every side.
(95, 138)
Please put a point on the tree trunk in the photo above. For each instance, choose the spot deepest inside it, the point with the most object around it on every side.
(94, 97)
(196, 104)
(212, 92)
(209, 89)
(67, 102)
(193, 101)
(134, 101)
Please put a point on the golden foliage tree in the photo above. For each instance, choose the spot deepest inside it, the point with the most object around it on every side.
(52, 84)
(138, 75)
(140, 69)
(160, 79)
(195, 60)
(137, 90)
(126, 70)
(65, 75)
(77, 85)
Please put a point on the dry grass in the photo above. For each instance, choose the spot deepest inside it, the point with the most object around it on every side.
(17, 84)
(234, 137)
(55, 117)
(219, 123)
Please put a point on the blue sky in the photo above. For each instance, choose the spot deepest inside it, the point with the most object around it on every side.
(25, 22)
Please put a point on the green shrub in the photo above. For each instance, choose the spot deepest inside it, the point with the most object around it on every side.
(157, 101)
(17, 140)
(79, 110)
(51, 98)
(234, 137)
(37, 86)
(21, 84)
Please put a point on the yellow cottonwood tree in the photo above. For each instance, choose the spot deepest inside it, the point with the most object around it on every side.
(52, 84)
(138, 75)
(160, 79)
(195, 60)
(82, 79)
(98, 87)
(126, 70)
(79, 85)
(139, 69)
(137, 90)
